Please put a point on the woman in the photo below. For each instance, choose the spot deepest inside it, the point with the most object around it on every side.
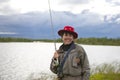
(70, 62)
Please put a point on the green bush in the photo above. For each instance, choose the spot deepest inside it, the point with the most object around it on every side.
(99, 41)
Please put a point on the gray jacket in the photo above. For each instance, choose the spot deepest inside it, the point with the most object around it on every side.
(76, 64)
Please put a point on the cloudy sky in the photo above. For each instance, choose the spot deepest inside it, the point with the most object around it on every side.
(101, 7)
(91, 18)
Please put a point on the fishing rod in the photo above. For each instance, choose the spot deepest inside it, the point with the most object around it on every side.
(51, 21)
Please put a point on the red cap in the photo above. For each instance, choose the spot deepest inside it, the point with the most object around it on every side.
(68, 29)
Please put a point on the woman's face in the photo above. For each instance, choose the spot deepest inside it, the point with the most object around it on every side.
(67, 38)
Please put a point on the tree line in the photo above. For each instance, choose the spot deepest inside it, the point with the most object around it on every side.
(88, 41)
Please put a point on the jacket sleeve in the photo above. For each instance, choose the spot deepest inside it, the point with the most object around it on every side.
(85, 66)
(54, 65)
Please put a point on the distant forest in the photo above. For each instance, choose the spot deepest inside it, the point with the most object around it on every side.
(88, 41)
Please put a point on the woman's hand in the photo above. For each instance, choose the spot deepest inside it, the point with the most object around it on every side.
(56, 55)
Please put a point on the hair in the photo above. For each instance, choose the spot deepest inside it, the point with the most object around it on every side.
(66, 32)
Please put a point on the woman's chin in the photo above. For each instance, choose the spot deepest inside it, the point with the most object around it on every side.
(67, 43)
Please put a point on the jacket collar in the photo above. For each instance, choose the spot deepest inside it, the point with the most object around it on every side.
(62, 46)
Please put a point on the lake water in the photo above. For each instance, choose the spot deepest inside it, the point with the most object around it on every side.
(19, 60)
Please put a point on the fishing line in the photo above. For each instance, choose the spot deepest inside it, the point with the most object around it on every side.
(51, 21)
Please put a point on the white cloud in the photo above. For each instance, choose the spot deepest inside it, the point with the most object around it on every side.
(8, 33)
(2, 1)
(5, 8)
(101, 7)
(118, 20)
(104, 8)
(74, 1)
(24, 6)
(115, 2)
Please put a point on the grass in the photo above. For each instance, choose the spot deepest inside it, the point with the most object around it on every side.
(105, 71)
